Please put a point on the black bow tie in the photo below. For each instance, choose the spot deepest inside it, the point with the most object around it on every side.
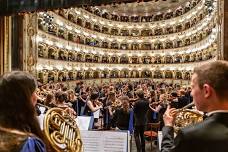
(205, 116)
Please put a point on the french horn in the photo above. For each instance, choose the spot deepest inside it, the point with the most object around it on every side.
(62, 131)
(186, 117)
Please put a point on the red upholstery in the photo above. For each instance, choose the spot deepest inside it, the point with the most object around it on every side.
(150, 133)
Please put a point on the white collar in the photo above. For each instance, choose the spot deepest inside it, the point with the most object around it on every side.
(217, 111)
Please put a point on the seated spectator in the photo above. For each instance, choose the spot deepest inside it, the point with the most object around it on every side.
(19, 127)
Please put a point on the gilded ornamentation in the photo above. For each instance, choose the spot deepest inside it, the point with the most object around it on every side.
(31, 31)
(30, 60)
(186, 117)
(62, 131)
(32, 51)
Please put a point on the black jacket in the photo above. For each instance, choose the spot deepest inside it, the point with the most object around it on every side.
(182, 101)
(140, 110)
(121, 119)
(211, 135)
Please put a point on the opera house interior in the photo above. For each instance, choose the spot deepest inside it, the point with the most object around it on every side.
(76, 49)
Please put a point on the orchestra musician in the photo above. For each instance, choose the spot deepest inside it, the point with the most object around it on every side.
(210, 94)
(19, 127)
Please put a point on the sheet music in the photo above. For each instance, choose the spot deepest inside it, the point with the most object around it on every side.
(159, 139)
(105, 141)
(83, 122)
(41, 121)
(42, 109)
(96, 114)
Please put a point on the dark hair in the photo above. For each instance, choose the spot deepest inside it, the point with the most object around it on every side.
(140, 93)
(216, 75)
(94, 95)
(111, 94)
(49, 98)
(64, 88)
(152, 93)
(124, 98)
(83, 93)
(174, 94)
(16, 108)
(61, 96)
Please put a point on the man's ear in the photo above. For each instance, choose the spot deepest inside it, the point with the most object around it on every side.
(207, 90)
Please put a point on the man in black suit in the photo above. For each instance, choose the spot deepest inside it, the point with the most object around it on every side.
(210, 94)
(141, 107)
(182, 100)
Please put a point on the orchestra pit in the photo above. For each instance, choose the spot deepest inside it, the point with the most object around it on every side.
(104, 72)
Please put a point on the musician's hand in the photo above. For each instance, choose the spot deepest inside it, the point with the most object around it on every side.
(169, 116)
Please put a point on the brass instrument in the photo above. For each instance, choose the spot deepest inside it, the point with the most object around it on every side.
(62, 131)
(186, 117)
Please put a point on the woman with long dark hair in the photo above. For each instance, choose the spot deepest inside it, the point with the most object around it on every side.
(19, 127)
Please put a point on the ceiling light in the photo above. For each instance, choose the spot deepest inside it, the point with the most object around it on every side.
(102, 22)
(110, 24)
(39, 67)
(77, 31)
(57, 21)
(68, 47)
(87, 17)
(39, 39)
(119, 40)
(85, 33)
(120, 25)
(77, 12)
(101, 37)
(49, 42)
(59, 45)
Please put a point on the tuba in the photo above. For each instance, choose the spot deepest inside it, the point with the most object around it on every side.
(186, 117)
(61, 130)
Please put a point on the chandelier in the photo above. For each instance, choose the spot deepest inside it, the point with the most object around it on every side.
(46, 19)
(210, 5)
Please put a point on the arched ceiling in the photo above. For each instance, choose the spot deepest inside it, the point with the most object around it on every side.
(144, 8)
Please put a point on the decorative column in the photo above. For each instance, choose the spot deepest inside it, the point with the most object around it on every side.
(5, 44)
(17, 42)
(223, 4)
(30, 45)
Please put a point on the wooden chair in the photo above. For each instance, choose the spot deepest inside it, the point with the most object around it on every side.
(152, 133)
